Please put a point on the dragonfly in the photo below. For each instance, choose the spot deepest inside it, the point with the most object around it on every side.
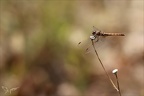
(96, 34)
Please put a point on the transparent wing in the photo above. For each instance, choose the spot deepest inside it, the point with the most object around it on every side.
(85, 45)
(95, 29)
(101, 44)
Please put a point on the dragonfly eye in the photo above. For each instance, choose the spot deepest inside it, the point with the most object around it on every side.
(94, 32)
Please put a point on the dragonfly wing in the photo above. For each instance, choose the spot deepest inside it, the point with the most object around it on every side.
(101, 43)
(85, 46)
(95, 29)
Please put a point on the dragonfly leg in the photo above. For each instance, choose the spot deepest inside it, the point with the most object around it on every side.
(97, 39)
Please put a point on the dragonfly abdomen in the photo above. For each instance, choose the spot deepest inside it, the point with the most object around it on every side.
(112, 34)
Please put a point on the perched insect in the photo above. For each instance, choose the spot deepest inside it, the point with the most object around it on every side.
(96, 34)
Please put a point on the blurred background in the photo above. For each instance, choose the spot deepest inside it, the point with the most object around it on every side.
(39, 55)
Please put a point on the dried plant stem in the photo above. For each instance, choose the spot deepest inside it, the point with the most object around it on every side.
(103, 66)
(118, 84)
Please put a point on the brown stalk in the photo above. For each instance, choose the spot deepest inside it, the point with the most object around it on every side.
(103, 66)
(118, 84)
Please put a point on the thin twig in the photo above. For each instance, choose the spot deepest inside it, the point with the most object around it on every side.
(118, 84)
(104, 67)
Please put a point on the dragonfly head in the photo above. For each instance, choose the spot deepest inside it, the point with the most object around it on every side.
(94, 33)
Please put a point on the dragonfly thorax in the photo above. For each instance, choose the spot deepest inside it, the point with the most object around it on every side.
(98, 33)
